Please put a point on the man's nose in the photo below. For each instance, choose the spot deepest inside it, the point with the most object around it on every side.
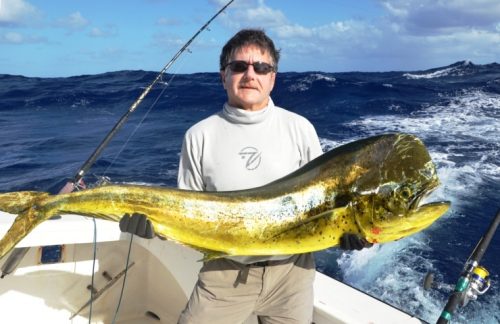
(250, 72)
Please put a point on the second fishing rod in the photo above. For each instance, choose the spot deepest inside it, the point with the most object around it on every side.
(76, 180)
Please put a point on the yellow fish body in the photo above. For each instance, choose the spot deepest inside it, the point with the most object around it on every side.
(372, 187)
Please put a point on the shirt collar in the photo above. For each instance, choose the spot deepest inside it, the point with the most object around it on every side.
(241, 116)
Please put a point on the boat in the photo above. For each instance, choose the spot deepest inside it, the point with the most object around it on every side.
(53, 281)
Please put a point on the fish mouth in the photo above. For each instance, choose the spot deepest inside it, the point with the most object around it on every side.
(424, 215)
(414, 221)
(414, 204)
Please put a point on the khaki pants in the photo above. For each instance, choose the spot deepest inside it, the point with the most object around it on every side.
(229, 292)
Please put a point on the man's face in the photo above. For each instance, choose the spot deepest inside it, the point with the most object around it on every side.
(249, 90)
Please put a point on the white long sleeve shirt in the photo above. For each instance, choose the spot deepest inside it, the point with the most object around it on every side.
(238, 149)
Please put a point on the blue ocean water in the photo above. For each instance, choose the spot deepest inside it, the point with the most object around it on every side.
(50, 126)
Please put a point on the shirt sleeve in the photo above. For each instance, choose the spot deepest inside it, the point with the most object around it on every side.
(190, 173)
(311, 147)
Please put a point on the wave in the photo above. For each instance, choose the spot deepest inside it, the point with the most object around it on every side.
(454, 109)
(457, 69)
(461, 133)
(462, 136)
(305, 83)
(465, 70)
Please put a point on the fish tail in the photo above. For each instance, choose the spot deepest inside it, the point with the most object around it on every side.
(17, 202)
(29, 216)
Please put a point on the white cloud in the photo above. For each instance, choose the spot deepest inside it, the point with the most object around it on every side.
(167, 41)
(293, 31)
(396, 11)
(107, 31)
(96, 32)
(16, 38)
(253, 13)
(412, 34)
(407, 35)
(443, 16)
(16, 12)
(73, 22)
(167, 21)
(325, 43)
(263, 16)
(13, 38)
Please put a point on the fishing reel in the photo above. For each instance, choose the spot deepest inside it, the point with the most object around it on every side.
(473, 282)
(478, 283)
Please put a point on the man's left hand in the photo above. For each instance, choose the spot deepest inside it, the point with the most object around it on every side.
(137, 224)
(351, 241)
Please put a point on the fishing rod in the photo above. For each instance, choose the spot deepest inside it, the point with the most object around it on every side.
(76, 181)
(474, 279)
(17, 254)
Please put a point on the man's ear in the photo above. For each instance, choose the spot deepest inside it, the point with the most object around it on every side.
(273, 77)
(223, 78)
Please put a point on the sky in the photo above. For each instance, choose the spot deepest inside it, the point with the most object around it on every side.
(59, 38)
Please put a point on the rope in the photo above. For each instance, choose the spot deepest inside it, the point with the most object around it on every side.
(93, 270)
(148, 111)
(90, 161)
(124, 279)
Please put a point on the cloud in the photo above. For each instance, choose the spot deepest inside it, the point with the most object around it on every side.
(442, 31)
(107, 31)
(168, 21)
(408, 34)
(293, 31)
(317, 46)
(73, 22)
(16, 38)
(167, 40)
(253, 13)
(424, 17)
(16, 12)
(257, 13)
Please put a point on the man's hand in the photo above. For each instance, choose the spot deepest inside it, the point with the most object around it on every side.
(137, 224)
(350, 241)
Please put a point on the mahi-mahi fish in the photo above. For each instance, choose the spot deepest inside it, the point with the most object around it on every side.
(372, 187)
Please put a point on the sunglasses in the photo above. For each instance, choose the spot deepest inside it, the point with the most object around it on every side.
(258, 67)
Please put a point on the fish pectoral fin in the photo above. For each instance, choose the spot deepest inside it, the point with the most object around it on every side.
(326, 214)
(211, 255)
(207, 254)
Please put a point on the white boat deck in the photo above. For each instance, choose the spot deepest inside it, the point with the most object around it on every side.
(159, 282)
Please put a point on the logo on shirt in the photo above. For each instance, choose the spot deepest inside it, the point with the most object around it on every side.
(252, 156)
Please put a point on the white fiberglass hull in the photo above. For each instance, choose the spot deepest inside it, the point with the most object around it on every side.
(157, 287)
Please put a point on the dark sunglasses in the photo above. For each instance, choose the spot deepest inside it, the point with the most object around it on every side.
(242, 66)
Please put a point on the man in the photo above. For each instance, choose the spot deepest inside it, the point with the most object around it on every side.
(250, 143)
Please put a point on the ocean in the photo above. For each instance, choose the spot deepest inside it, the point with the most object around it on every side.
(50, 126)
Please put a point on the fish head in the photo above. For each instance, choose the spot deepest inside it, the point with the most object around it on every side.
(399, 196)
(389, 203)
(381, 227)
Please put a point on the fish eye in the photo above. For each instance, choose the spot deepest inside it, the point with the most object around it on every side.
(406, 192)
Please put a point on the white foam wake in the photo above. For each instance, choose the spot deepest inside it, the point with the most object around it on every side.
(463, 137)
